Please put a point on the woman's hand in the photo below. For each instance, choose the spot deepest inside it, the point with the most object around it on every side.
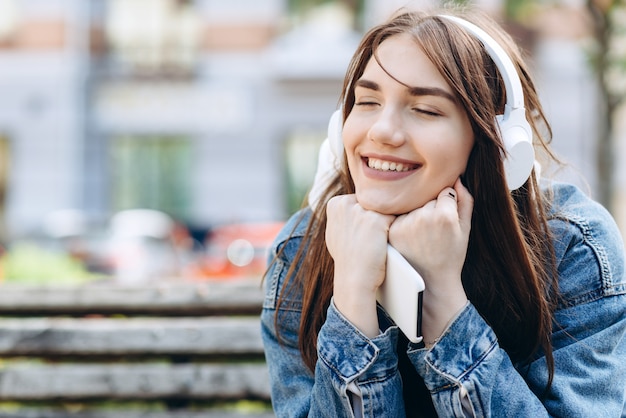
(434, 239)
(357, 240)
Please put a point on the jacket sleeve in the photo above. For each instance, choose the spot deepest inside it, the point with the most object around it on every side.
(290, 380)
(468, 373)
(346, 357)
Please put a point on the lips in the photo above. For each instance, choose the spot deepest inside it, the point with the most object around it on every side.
(391, 166)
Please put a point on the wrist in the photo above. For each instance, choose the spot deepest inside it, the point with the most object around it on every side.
(438, 313)
(359, 308)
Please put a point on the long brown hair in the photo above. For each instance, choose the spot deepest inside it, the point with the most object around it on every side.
(509, 273)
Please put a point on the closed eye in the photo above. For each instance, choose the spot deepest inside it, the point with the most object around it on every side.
(427, 112)
(365, 103)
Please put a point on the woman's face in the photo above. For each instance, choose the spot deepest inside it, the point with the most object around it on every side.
(405, 142)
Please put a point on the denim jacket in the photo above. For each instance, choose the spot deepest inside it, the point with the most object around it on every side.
(466, 372)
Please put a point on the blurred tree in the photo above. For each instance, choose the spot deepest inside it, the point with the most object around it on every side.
(609, 62)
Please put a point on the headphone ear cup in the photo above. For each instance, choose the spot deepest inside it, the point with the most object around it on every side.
(335, 128)
(520, 154)
(328, 160)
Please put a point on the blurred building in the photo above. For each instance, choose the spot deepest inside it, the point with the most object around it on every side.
(189, 107)
(209, 110)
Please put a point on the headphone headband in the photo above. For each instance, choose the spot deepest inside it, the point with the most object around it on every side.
(512, 83)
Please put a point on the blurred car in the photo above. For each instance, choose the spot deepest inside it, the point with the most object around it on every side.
(141, 246)
(237, 250)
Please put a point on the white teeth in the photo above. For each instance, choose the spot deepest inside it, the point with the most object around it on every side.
(386, 165)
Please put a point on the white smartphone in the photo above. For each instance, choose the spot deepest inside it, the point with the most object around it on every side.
(401, 295)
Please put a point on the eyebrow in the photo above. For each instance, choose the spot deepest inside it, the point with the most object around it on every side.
(413, 91)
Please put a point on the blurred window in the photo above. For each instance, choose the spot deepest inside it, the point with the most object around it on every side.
(38, 25)
(152, 172)
(9, 21)
(239, 25)
(153, 35)
(301, 150)
(5, 162)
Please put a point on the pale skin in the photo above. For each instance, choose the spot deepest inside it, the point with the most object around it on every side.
(407, 144)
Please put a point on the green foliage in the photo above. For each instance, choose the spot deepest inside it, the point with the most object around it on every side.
(29, 263)
(302, 7)
(519, 10)
(299, 6)
(457, 2)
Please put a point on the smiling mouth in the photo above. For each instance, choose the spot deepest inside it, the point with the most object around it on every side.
(382, 165)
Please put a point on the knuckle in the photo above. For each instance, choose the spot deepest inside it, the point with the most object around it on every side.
(445, 219)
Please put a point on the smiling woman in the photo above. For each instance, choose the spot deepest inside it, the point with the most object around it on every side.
(404, 114)
(432, 153)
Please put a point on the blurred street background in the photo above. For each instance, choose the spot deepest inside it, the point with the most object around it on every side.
(145, 139)
(150, 150)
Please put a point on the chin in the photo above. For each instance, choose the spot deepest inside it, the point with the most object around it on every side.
(383, 206)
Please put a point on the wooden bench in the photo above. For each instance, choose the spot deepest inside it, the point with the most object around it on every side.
(168, 350)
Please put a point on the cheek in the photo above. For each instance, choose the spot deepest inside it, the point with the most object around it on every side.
(466, 152)
(462, 143)
(462, 156)
(447, 145)
(351, 139)
(350, 133)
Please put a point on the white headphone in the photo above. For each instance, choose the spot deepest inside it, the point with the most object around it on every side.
(514, 128)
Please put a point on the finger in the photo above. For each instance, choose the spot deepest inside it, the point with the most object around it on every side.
(429, 205)
(465, 203)
(336, 203)
(447, 199)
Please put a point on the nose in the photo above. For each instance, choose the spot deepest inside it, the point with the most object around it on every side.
(388, 128)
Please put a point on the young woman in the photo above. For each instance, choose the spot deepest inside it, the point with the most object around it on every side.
(524, 307)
